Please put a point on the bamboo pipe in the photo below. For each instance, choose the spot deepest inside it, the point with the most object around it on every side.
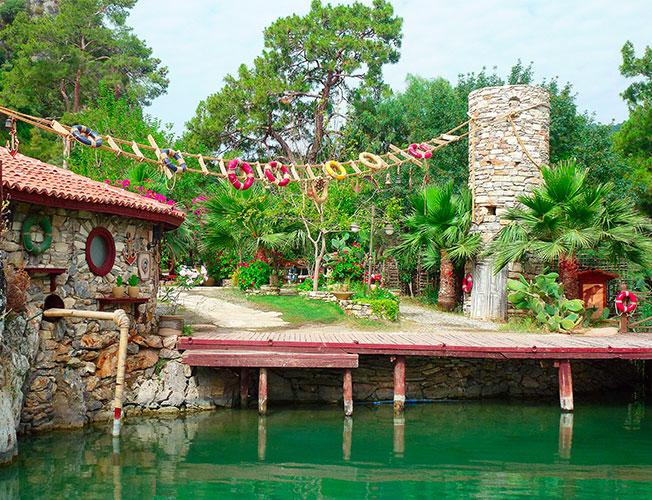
(120, 318)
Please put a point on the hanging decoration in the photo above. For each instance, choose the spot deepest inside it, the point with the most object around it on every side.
(413, 151)
(128, 252)
(86, 136)
(233, 179)
(165, 158)
(329, 169)
(26, 232)
(318, 190)
(270, 176)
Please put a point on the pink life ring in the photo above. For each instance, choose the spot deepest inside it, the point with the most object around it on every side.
(234, 180)
(413, 151)
(467, 283)
(630, 306)
(270, 176)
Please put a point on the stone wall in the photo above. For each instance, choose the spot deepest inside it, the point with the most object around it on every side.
(436, 378)
(500, 172)
(69, 378)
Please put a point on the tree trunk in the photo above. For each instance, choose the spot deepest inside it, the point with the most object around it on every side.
(569, 270)
(446, 298)
(75, 102)
(319, 257)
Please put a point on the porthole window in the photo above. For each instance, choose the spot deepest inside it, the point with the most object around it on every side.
(100, 251)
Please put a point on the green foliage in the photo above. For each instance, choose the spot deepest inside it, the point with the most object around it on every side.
(297, 310)
(119, 281)
(133, 280)
(187, 330)
(65, 57)
(253, 274)
(286, 104)
(346, 266)
(220, 266)
(306, 285)
(383, 308)
(544, 297)
(640, 91)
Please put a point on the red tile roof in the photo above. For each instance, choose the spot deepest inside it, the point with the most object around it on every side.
(32, 181)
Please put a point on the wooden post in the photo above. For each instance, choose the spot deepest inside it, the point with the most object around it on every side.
(262, 392)
(565, 386)
(348, 393)
(347, 438)
(623, 323)
(262, 437)
(399, 435)
(399, 384)
(565, 435)
(244, 387)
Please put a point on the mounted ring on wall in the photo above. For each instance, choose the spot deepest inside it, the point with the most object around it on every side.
(100, 251)
(29, 245)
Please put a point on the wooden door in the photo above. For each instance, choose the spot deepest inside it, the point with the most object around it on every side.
(489, 293)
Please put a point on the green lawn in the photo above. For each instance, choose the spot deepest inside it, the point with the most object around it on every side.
(298, 310)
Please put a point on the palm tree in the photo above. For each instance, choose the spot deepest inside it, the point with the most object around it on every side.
(566, 215)
(439, 231)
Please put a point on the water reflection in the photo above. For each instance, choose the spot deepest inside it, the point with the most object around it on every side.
(474, 450)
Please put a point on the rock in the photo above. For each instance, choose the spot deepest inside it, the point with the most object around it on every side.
(174, 384)
(8, 443)
(146, 393)
(169, 354)
(149, 341)
(98, 340)
(170, 342)
(69, 408)
(144, 359)
(107, 362)
(92, 383)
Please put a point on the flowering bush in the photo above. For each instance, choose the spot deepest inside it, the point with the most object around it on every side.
(141, 190)
(190, 277)
(220, 267)
(346, 266)
(253, 274)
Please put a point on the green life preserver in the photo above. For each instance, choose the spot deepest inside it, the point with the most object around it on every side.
(29, 245)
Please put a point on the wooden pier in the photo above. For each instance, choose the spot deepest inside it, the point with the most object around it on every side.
(297, 349)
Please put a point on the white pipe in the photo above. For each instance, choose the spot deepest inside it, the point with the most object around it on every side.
(120, 318)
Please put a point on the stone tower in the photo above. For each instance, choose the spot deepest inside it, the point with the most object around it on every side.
(500, 170)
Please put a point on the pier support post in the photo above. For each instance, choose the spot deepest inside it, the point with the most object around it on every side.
(399, 384)
(348, 392)
(399, 435)
(262, 438)
(565, 386)
(565, 435)
(347, 438)
(244, 387)
(262, 392)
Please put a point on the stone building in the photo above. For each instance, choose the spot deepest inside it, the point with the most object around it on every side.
(504, 161)
(62, 374)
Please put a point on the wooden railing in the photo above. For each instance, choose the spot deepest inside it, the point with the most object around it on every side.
(641, 319)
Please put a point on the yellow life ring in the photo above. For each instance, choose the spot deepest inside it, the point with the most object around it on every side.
(329, 167)
(372, 161)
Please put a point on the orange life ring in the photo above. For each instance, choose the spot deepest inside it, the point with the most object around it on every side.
(467, 283)
(630, 306)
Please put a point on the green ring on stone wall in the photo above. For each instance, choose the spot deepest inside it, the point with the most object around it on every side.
(29, 245)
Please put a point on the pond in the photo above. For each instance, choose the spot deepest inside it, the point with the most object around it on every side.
(482, 450)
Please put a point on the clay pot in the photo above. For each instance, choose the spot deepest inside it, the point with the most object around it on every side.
(209, 282)
(118, 292)
(133, 291)
(169, 325)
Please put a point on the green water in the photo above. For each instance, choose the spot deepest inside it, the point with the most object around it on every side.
(447, 450)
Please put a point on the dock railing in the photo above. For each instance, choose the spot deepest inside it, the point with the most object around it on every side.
(641, 319)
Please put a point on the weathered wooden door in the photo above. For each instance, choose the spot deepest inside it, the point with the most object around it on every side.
(489, 293)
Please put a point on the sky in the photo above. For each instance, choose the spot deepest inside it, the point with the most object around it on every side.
(579, 41)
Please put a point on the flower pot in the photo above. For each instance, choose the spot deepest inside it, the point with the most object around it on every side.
(169, 325)
(342, 295)
(118, 292)
(133, 291)
(209, 282)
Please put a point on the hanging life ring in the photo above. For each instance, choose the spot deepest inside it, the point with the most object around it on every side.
(29, 245)
(165, 158)
(233, 164)
(413, 151)
(626, 302)
(329, 168)
(270, 176)
(86, 136)
(467, 284)
(371, 161)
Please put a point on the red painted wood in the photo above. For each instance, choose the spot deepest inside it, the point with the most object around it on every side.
(52, 271)
(348, 393)
(104, 301)
(269, 359)
(262, 391)
(399, 384)
(565, 386)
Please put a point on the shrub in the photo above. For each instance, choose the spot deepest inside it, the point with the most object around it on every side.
(346, 266)
(253, 274)
(545, 298)
(383, 308)
(220, 266)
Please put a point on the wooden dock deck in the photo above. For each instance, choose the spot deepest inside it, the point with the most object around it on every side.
(329, 349)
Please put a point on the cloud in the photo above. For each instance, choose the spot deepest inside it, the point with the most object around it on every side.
(579, 41)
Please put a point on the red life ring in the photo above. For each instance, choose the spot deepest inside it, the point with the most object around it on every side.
(630, 306)
(234, 180)
(270, 176)
(467, 283)
(413, 151)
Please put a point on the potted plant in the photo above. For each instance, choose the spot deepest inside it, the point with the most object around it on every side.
(133, 289)
(172, 324)
(118, 290)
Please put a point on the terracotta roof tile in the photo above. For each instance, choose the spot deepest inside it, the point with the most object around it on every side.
(31, 176)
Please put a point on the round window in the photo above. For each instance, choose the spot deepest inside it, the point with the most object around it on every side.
(100, 251)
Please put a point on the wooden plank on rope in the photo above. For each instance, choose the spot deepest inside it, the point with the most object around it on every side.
(311, 174)
(113, 145)
(354, 166)
(137, 152)
(397, 161)
(200, 158)
(439, 141)
(157, 150)
(295, 174)
(406, 155)
(260, 172)
(60, 129)
(449, 137)
(222, 169)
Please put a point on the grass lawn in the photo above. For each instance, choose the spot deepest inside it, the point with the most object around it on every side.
(298, 310)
